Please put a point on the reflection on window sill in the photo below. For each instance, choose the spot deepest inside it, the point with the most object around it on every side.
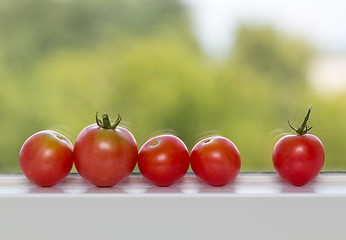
(247, 183)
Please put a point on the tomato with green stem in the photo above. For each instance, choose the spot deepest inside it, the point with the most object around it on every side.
(299, 158)
(105, 154)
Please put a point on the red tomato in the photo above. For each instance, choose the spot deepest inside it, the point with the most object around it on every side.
(299, 158)
(105, 154)
(163, 160)
(46, 158)
(215, 160)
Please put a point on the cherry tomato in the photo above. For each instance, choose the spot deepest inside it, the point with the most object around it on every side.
(299, 158)
(215, 160)
(104, 153)
(163, 160)
(46, 158)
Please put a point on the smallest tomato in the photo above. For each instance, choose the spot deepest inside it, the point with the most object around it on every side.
(215, 160)
(163, 160)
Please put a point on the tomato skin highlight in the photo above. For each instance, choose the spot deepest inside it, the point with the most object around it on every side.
(105, 157)
(215, 160)
(298, 159)
(46, 158)
(163, 160)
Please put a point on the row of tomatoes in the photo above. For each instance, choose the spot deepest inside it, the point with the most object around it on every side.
(105, 154)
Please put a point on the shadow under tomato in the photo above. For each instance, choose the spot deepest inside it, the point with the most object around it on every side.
(53, 189)
(105, 190)
(169, 189)
(295, 189)
(222, 189)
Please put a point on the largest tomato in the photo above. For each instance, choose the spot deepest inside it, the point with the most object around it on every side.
(299, 158)
(104, 153)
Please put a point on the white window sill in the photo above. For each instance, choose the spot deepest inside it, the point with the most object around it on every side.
(254, 206)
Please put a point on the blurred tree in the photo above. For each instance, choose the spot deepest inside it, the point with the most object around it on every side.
(270, 54)
(33, 28)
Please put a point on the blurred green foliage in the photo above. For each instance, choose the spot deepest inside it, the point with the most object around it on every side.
(61, 61)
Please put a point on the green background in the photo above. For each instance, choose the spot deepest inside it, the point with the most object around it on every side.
(61, 61)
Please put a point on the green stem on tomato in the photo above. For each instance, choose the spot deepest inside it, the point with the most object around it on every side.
(106, 123)
(304, 128)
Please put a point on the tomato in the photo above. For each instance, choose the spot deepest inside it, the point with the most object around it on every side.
(215, 160)
(46, 158)
(299, 158)
(104, 153)
(163, 160)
